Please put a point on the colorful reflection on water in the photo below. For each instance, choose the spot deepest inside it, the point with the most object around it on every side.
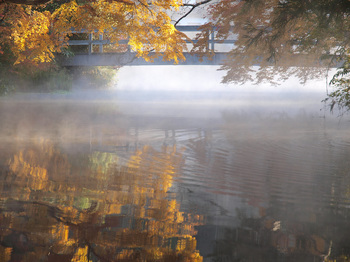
(86, 181)
(93, 206)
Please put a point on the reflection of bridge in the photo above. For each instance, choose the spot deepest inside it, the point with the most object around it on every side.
(101, 58)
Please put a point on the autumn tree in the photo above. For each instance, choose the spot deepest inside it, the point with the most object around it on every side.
(283, 38)
(34, 33)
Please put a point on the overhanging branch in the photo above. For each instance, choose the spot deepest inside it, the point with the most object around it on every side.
(25, 2)
(193, 6)
(197, 4)
(41, 2)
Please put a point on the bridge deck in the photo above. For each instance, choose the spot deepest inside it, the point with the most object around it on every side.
(130, 59)
(97, 56)
(101, 58)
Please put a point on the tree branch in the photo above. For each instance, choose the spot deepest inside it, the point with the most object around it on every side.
(146, 6)
(182, 17)
(198, 4)
(193, 7)
(41, 2)
(25, 2)
(4, 14)
(127, 2)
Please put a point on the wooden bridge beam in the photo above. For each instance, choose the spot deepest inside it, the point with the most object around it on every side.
(130, 59)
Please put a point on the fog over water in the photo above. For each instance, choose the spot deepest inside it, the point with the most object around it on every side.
(170, 159)
(198, 85)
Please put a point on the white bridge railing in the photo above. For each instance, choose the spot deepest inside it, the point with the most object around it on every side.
(213, 44)
(94, 50)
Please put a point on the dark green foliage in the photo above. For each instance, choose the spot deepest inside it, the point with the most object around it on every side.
(50, 80)
(96, 77)
(340, 97)
(286, 38)
(6, 88)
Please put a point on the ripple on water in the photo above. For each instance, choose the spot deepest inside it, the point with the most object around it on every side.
(301, 166)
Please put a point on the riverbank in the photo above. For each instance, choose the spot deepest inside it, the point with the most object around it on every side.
(55, 79)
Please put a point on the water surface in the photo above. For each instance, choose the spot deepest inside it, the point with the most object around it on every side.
(173, 176)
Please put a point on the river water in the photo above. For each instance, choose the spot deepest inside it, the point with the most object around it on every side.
(148, 175)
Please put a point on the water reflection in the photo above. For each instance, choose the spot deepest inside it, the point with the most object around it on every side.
(93, 207)
(89, 181)
(278, 187)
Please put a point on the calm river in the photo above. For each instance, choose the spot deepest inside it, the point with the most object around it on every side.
(173, 176)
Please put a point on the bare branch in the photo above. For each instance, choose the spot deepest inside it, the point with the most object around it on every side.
(198, 4)
(194, 6)
(146, 6)
(127, 2)
(182, 17)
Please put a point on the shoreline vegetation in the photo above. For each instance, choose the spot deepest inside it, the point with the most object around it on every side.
(55, 79)
(34, 33)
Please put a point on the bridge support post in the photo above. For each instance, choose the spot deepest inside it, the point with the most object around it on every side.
(100, 37)
(90, 44)
(212, 41)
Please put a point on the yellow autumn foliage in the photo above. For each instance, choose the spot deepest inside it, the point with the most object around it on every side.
(131, 209)
(31, 38)
(36, 36)
(81, 255)
(36, 176)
